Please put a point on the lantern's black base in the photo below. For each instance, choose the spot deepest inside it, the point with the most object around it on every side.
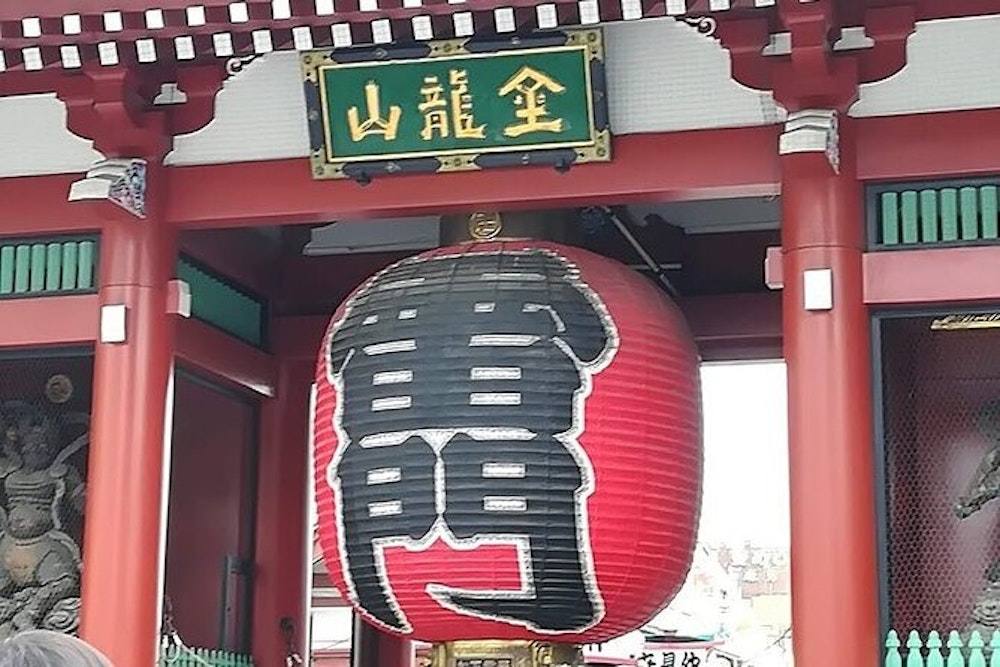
(505, 653)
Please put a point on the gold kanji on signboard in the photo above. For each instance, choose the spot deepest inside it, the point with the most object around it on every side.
(457, 105)
(436, 110)
(374, 124)
(531, 87)
(461, 107)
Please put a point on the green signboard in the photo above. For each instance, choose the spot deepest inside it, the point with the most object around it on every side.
(457, 105)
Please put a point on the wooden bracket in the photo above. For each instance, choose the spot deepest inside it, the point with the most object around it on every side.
(814, 74)
(115, 107)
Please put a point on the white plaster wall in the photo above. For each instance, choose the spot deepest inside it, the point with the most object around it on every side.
(951, 65)
(664, 77)
(34, 140)
(260, 115)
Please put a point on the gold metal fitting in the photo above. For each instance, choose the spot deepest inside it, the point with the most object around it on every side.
(505, 653)
(485, 226)
(967, 321)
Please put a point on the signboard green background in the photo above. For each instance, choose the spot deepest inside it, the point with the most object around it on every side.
(400, 83)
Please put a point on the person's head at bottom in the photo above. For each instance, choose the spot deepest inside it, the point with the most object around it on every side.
(42, 648)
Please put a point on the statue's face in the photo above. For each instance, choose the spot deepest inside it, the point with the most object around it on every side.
(35, 433)
(36, 455)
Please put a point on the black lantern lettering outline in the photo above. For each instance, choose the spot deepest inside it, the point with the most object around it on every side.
(424, 447)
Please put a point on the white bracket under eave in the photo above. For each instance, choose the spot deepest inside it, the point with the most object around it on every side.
(179, 298)
(119, 181)
(812, 131)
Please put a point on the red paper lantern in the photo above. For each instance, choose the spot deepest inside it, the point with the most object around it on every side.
(508, 445)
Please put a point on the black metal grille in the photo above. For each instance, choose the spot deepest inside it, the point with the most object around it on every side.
(44, 410)
(941, 418)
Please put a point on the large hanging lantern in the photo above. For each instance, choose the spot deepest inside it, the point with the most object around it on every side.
(508, 447)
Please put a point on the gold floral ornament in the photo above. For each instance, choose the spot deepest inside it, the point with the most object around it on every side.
(485, 226)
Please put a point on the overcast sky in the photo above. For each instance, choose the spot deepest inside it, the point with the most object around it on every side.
(745, 495)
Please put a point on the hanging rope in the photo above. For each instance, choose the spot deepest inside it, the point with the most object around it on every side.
(292, 658)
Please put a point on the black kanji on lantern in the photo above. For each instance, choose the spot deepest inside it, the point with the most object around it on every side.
(461, 380)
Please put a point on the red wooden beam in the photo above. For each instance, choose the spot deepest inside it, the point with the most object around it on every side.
(73, 320)
(912, 277)
(933, 145)
(735, 327)
(703, 164)
(648, 167)
(50, 320)
(244, 256)
(209, 350)
(38, 205)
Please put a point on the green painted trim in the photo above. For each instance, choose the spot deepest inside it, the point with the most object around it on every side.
(52, 266)
(223, 304)
(928, 214)
(955, 651)
(203, 657)
(59, 266)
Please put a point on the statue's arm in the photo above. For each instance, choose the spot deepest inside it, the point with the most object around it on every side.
(76, 489)
(984, 485)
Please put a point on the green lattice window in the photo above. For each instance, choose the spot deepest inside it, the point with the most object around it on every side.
(47, 267)
(223, 304)
(931, 214)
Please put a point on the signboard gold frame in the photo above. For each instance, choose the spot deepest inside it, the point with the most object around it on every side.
(588, 141)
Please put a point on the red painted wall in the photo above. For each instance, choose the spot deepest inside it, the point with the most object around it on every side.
(935, 384)
(210, 505)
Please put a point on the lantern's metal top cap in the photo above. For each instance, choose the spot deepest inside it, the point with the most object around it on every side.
(494, 226)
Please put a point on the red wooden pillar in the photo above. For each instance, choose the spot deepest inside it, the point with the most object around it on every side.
(282, 554)
(394, 651)
(827, 350)
(371, 647)
(133, 370)
(374, 648)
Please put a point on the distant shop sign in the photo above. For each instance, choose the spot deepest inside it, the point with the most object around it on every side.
(684, 654)
(674, 657)
(457, 105)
